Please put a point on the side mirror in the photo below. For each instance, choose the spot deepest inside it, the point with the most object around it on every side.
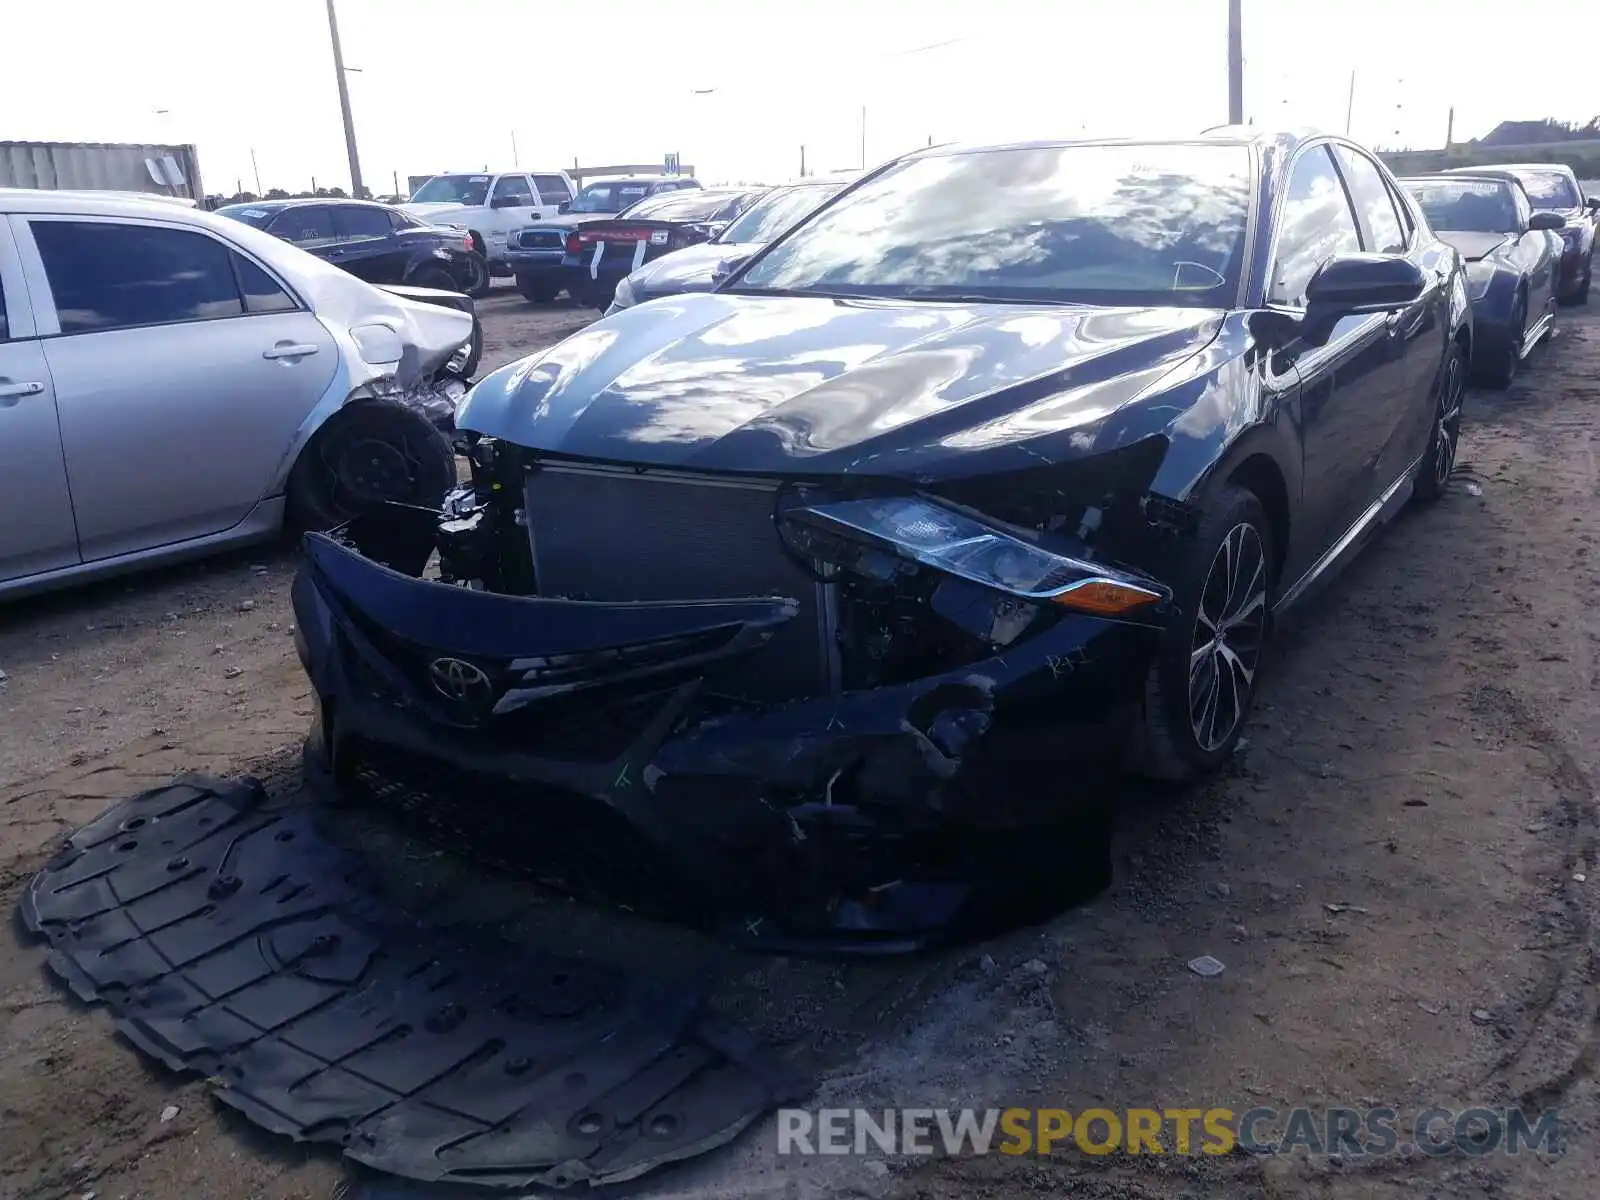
(1363, 283)
(1547, 220)
(1592, 203)
(564, 207)
(727, 267)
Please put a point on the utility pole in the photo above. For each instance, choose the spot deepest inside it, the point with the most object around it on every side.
(256, 169)
(1450, 128)
(802, 162)
(1350, 104)
(515, 160)
(344, 104)
(863, 137)
(1235, 63)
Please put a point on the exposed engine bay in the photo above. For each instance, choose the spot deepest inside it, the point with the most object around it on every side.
(799, 727)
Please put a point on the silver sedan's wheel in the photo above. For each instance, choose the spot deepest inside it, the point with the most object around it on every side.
(1229, 630)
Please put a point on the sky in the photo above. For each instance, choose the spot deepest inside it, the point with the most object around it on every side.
(735, 87)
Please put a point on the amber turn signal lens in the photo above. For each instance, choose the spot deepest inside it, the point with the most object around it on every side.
(1103, 598)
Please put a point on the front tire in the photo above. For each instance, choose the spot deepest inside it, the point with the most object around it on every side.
(1202, 683)
(1504, 369)
(1440, 459)
(366, 454)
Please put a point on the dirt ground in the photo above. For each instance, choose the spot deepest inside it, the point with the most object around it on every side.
(1391, 876)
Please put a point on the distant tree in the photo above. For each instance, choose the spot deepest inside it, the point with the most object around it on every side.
(277, 194)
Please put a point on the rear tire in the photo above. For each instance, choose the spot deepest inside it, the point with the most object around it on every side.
(1434, 475)
(478, 278)
(1202, 684)
(367, 453)
(536, 290)
(486, 279)
(434, 277)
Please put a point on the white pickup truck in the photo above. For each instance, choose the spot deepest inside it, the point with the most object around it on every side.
(490, 205)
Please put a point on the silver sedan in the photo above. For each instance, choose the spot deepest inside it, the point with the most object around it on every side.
(172, 383)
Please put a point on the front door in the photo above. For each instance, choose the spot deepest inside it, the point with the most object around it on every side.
(182, 372)
(37, 532)
(1353, 385)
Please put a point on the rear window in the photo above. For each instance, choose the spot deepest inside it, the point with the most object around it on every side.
(609, 197)
(552, 189)
(682, 206)
(1549, 189)
(1466, 205)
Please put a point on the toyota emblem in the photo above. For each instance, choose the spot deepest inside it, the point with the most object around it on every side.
(460, 681)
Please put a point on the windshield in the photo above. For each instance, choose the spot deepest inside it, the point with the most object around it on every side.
(776, 211)
(1466, 205)
(1549, 189)
(1095, 224)
(470, 190)
(609, 197)
(250, 214)
(681, 206)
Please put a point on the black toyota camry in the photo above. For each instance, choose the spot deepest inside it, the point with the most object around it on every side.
(989, 478)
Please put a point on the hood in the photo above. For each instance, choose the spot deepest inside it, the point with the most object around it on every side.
(436, 214)
(691, 269)
(1474, 247)
(808, 385)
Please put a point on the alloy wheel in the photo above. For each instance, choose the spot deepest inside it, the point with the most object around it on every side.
(1448, 429)
(1229, 632)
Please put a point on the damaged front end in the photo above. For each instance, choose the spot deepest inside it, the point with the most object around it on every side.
(808, 713)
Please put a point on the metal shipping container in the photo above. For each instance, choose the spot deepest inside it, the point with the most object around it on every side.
(102, 167)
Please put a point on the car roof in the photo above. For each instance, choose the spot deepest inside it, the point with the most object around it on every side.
(92, 203)
(1243, 135)
(1480, 176)
(302, 201)
(1510, 169)
(643, 179)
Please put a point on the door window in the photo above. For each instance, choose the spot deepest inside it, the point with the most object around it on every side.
(1317, 225)
(552, 189)
(260, 290)
(311, 226)
(108, 275)
(358, 221)
(515, 189)
(1373, 202)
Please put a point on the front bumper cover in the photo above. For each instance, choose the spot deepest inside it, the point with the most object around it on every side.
(885, 818)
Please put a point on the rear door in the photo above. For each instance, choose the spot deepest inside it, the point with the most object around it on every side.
(36, 527)
(365, 243)
(553, 192)
(182, 370)
(1416, 333)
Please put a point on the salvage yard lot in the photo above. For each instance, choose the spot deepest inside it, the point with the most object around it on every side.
(1389, 874)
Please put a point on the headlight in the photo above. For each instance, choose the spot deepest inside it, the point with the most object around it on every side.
(624, 296)
(955, 544)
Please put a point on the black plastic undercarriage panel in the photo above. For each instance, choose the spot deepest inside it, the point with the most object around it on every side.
(228, 937)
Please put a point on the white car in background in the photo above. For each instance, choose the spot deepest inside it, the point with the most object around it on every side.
(173, 383)
(489, 206)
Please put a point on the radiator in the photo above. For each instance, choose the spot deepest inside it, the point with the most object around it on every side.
(617, 535)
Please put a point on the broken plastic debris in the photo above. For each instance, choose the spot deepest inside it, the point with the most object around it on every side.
(1206, 966)
(1482, 1016)
(1336, 906)
(1580, 877)
(1429, 1007)
(169, 1112)
(1473, 489)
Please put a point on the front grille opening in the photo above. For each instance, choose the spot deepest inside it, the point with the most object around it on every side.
(601, 534)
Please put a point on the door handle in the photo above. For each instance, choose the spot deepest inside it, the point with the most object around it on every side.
(16, 391)
(290, 351)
